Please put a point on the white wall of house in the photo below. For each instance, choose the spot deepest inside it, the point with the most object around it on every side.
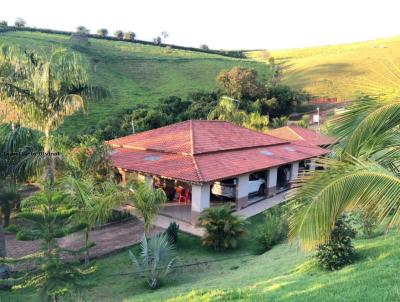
(200, 197)
(272, 181)
(294, 171)
(312, 164)
(242, 191)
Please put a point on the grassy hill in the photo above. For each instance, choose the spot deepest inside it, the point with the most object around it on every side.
(283, 274)
(136, 73)
(340, 70)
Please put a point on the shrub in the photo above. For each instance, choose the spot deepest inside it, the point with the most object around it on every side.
(172, 232)
(338, 251)
(222, 229)
(119, 34)
(156, 259)
(129, 35)
(272, 231)
(12, 228)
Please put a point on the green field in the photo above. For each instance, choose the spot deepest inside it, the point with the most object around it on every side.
(281, 274)
(340, 70)
(136, 73)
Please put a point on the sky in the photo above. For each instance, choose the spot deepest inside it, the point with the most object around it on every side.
(233, 24)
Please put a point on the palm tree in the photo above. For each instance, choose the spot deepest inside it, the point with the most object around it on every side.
(227, 110)
(156, 259)
(362, 173)
(94, 204)
(39, 91)
(256, 121)
(148, 203)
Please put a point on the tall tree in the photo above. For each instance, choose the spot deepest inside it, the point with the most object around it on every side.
(362, 173)
(39, 91)
(102, 32)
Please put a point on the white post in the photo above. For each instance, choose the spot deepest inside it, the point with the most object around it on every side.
(272, 181)
(294, 171)
(200, 200)
(312, 165)
(242, 191)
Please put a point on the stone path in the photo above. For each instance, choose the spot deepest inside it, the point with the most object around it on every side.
(108, 240)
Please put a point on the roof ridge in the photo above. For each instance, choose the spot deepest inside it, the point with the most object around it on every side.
(196, 167)
(295, 133)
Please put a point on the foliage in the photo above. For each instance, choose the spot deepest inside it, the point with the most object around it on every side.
(103, 32)
(172, 232)
(256, 121)
(227, 110)
(148, 203)
(338, 251)
(19, 22)
(273, 229)
(278, 122)
(39, 91)
(285, 99)
(222, 228)
(94, 203)
(119, 34)
(129, 35)
(3, 23)
(156, 259)
(305, 121)
(9, 198)
(157, 40)
(82, 30)
(362, 173)
(240, 83)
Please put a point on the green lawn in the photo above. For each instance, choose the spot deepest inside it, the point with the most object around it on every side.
(281, 274)
(136, 73)
(340, 70)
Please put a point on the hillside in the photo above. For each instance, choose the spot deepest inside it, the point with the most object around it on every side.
(340, 70)
(283, 274)
(136, 73)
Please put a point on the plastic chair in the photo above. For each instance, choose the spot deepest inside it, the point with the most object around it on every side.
(184, 196)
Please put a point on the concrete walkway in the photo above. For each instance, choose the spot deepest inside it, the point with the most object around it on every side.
(261, 206)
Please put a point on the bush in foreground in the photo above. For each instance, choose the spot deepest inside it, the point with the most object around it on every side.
(222, 228)
(156, 259)
(273, 229)
(338, 251)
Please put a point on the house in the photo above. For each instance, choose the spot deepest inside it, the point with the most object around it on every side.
(199, 154)
(300, 134)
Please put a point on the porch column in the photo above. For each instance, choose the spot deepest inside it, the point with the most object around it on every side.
(312, 164)
(147, 180)
(272, 181)
(294, 171)
(200, 200)
(123, 176)
(242, 191)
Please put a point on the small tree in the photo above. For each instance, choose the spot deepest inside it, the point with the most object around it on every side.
(165, 35)
(278, 122)
(240, 83)
(227, 110)
(157, 40)
(3, 23)
(204, 46)
(257, 121)
(305, 121)
(156, 259)
(222, 228)
(338, 251)
(103, 32)
(129, 36)
(82, 30)
(119, 34)
(20, 23)
(148, 203)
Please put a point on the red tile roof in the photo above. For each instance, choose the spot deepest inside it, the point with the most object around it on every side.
(296, 133)
(204, 151)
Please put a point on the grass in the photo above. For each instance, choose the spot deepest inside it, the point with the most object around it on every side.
(135, 73)
(340, 70)
(281, 274)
